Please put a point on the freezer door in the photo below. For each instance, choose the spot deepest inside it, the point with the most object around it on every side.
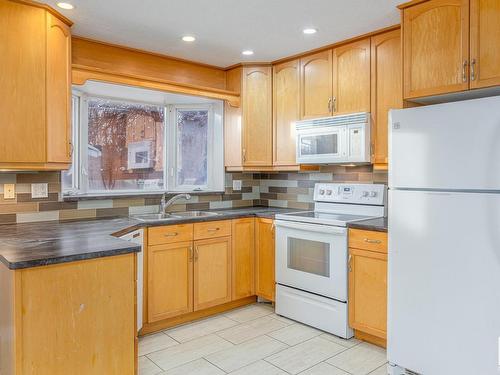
(446, 146)
(444, 282)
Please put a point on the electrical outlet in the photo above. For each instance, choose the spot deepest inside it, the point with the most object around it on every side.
(39, 190)
(236, 185)
(9, 191)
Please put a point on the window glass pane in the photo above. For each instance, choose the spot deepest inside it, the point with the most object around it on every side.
(192, 145)
(125, 146)
(309, 256)
(68, 178)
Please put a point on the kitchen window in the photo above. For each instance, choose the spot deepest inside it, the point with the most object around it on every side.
(125, 146)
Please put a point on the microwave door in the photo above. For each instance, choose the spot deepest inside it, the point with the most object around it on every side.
(321, 145)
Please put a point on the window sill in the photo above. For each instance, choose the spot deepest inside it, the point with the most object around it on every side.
(124, 195)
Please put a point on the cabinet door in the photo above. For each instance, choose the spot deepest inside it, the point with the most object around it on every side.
(264, 245)
(385, 88)
(212, 272)
(351, 78)
(436, 48)
(232, 122)
(22, 83)
(243, 258)
(285, 111)
(170, 280)
(257, 116)
(368, 292)
(58, 90)
(316, 85)
(484, 43)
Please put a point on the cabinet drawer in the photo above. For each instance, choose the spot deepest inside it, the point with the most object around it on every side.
(212, 229)
(368, 240)
(170, 234)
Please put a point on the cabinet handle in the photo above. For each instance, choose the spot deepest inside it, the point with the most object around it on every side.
(244, 155)
(212, 229)
(191, 255)
(173, 234)
(196, 253)
(334, 104)
(70, 149)
(329, 105)
(473, 70)
(349, 262)
(464, 71)
(367, 240)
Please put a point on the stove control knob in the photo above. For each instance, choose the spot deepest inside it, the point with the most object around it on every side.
(364, 194)
(373, 194)
(328, 192)
(321, 191)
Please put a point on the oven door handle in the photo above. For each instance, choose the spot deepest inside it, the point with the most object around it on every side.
(310, 227)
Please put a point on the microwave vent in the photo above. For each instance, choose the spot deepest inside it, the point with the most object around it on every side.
(356, 118)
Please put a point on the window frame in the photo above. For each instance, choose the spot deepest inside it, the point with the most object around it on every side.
(80, 183)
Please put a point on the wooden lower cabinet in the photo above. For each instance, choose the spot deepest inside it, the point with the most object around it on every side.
(264, 248)
(243, 258)
(77, 317)
(212, 272)
(170, 265)
(368, 287)
(190, 274)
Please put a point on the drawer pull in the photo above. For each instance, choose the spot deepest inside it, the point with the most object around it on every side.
(212, 229)
(173, 234)
(367, 240)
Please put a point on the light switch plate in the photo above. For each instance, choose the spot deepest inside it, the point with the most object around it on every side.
(236, 185)
(39, 190)
(9, 191)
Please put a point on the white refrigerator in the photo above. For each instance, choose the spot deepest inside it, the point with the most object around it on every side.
(444, 239)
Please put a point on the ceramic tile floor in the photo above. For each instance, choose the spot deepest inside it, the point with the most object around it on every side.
(253, 340)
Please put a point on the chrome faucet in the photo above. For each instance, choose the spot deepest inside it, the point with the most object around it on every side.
(164, 204)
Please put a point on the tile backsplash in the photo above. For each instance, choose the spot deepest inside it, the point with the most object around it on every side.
(293, 190)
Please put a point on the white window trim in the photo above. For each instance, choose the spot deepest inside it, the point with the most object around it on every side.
(215, 176)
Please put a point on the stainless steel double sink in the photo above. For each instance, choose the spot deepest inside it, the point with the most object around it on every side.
(173, 215)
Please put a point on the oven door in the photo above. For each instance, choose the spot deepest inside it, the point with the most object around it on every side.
(312, 257)
(322, 145)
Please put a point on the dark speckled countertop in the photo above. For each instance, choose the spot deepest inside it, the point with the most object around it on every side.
(39, 244)
(379, 224)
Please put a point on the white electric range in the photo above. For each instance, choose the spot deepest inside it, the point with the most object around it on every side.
(312, 254)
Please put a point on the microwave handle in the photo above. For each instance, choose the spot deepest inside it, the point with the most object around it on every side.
(310, 227)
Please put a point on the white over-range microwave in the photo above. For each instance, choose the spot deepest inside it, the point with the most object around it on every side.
(343, 139)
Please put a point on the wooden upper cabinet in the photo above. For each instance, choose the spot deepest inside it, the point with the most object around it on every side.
(257, 116)
(59, 147)
(286, 110)
(35, 87)
(351, 78)
(435, 47)
(386, 90)
(316, 85)
(484, 43)
(170, 265)
(212, 272)
(243, 258)
(265, 257)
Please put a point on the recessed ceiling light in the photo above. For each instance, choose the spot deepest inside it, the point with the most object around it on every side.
(188, 38)
(66, 6)
(310, 31)
(247, 52)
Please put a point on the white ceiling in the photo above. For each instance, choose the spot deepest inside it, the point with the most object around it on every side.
(224, 28)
